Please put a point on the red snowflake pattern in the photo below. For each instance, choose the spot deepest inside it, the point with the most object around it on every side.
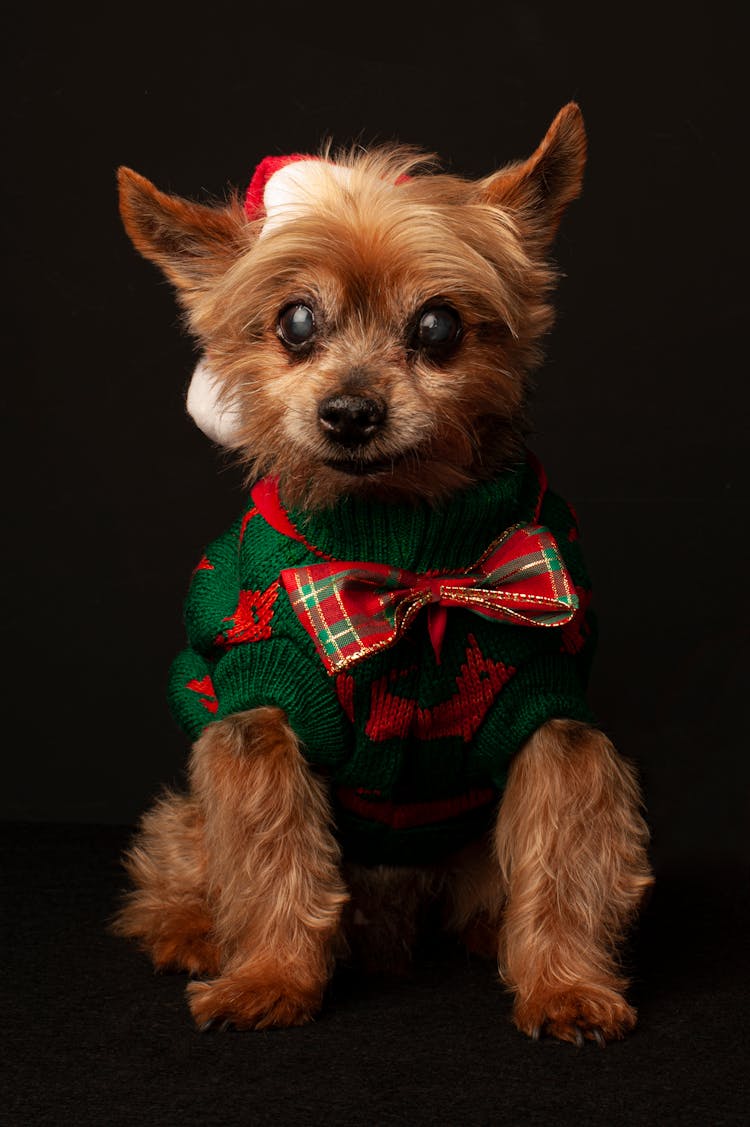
(251, 620)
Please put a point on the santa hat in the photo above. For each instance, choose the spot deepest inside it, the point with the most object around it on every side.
(282, 188)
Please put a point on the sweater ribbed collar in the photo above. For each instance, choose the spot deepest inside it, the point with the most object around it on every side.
(422, 537)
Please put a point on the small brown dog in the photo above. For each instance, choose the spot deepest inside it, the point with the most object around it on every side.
(388, 651)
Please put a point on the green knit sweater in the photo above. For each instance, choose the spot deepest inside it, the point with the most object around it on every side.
(416, 749)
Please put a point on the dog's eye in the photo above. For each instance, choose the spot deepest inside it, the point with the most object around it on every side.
(437, 327)
(296, 324)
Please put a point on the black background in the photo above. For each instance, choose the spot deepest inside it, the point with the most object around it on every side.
(109, 495)
(641, 409)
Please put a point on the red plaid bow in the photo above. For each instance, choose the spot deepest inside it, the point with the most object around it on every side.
(352, 609)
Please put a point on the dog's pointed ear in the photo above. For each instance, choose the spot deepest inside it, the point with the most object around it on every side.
(540, 188)
(192, 243)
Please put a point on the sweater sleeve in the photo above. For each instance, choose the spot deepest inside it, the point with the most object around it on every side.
(276, 672)
(544, 688)
(551, 674)
(231, 665)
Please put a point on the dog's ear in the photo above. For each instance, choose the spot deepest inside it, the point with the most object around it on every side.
(540, 188)
(193, 244)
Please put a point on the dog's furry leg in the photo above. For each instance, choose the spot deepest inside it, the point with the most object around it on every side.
(473, 898)
(273, 867)
(166, 911)
(571, 843)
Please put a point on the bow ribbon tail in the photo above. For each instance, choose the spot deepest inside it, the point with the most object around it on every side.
(437, 620)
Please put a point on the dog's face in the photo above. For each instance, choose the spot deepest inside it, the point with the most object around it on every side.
(376, 334)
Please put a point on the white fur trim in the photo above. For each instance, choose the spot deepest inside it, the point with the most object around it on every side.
(290, 192)
(297, 187)
(219, 422)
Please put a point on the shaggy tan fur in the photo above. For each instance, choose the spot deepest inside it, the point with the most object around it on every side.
(571, 842)
(366, 260)
(240, 880)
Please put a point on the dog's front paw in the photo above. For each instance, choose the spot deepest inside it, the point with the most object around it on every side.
(255, 999)
(581, 1013)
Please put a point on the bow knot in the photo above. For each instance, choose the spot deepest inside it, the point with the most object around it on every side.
(352, 609)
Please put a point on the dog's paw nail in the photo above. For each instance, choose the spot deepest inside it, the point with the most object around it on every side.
(207, 1025)
(536, 1033)
(225, 1025)
(580, 1039)
(598, 1036)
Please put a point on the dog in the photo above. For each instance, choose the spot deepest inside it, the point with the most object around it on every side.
(385, 669)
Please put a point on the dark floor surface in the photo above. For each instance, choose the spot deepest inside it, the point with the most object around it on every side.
(92, 1036)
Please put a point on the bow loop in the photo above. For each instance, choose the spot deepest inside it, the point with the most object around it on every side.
(352, 609)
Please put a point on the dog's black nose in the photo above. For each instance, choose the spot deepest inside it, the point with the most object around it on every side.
(350, 419)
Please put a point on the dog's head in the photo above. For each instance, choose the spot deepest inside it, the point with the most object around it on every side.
(368, 324)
